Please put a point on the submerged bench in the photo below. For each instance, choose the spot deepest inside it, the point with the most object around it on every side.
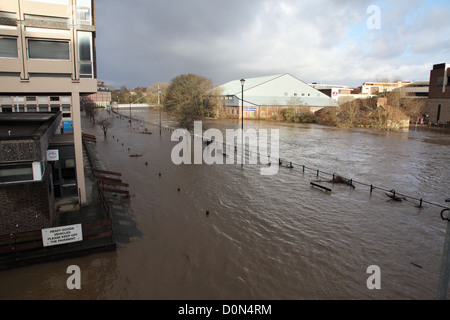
(321, 187)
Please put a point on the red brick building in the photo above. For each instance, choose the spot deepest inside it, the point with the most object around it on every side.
(102, 98)
(438, 105)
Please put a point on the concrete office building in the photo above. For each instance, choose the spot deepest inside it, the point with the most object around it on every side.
(27, 191)
(375, 88)
(48, 62)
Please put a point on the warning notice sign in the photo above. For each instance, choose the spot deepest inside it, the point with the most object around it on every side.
(62, 235)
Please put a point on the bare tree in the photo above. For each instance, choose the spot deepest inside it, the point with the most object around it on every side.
(349, 112)
(157, 92)
(105, 124)
(91, 110)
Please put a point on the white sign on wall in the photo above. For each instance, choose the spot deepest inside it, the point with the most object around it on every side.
(52, 155)
(62, 235)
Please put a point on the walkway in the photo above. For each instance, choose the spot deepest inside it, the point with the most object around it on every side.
(123, 225)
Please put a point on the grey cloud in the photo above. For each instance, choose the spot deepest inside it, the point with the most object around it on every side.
(140, 42)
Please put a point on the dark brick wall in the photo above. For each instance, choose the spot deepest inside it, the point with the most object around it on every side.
(26, 207)
(435, 91)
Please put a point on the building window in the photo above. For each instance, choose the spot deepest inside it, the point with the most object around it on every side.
(85, 54)
(84, 12)
(53, 99)
(31, 99)
(7, 109)
(16, 100)
(16, 172)
(48, 49)
(8, 47)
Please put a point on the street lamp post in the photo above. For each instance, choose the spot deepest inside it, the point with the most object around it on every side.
(444, 275)
(159, 106)
(242, 121)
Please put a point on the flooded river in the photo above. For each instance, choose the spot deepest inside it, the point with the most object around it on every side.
(266, 237)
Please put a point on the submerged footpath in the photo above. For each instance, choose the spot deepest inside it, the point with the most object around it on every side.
(114, 194)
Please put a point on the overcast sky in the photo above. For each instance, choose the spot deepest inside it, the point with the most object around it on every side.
(141, 42)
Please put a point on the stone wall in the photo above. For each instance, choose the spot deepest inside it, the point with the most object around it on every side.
(26, 206)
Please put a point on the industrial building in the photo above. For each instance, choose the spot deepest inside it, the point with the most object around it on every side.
(264, 97)
(438, 104)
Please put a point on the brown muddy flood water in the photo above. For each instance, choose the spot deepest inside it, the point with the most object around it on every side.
(272, 237)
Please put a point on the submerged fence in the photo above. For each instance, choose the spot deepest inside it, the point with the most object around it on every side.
(392, 193)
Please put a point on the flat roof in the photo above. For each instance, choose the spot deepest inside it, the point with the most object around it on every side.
(24, 125)
(60, 139)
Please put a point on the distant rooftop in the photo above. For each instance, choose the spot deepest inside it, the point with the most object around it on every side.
(441, 65)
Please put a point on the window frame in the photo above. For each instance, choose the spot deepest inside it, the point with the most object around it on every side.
(49, 40)
(28, 177)
(91, 54)
(83, 10)
(17, 48)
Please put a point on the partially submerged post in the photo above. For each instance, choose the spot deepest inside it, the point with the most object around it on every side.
(445, 266)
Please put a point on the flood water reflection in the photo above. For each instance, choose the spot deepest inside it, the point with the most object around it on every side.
(271, 237)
